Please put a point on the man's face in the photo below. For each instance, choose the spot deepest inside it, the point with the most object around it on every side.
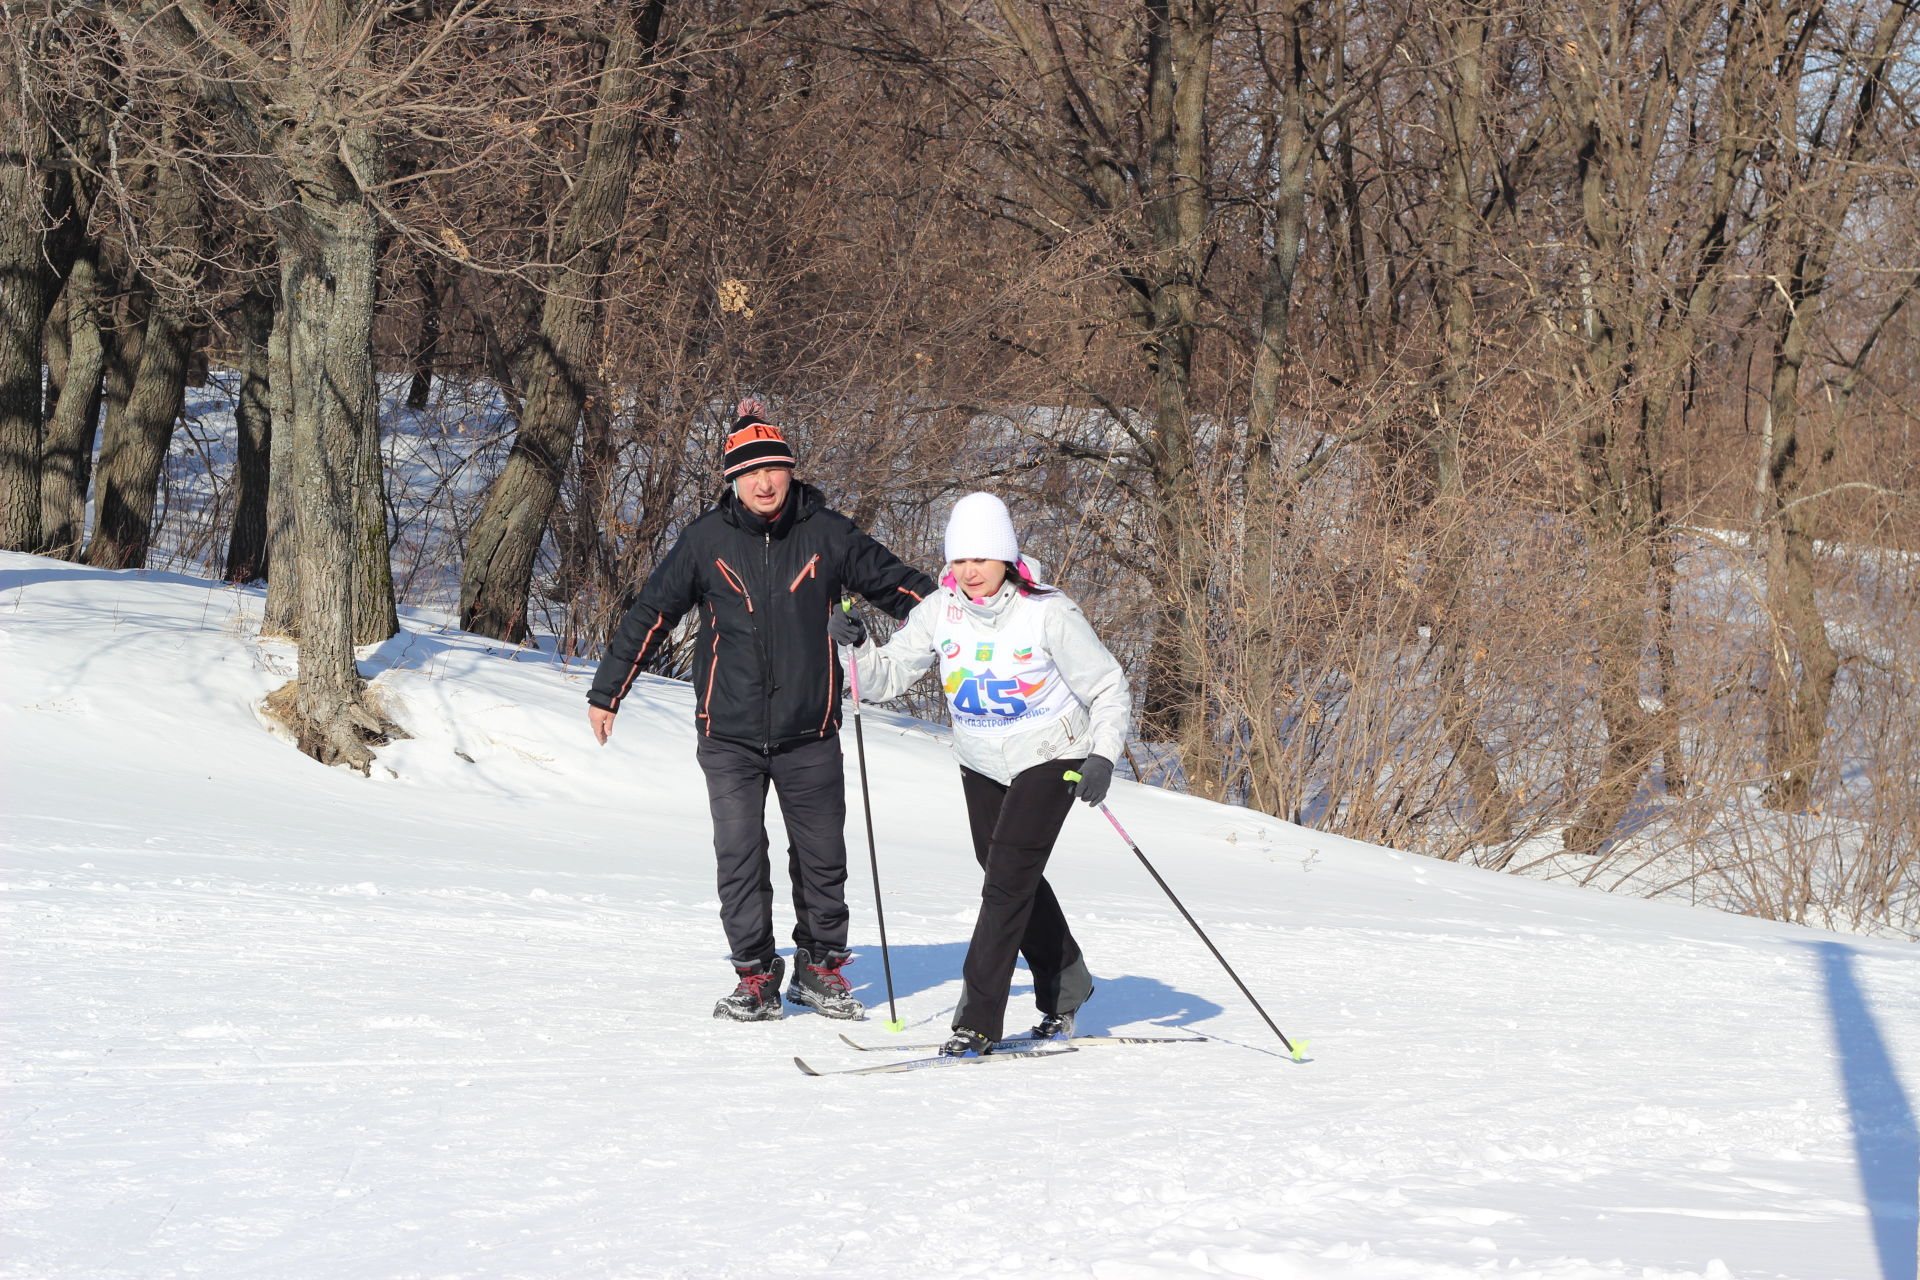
(763, 490)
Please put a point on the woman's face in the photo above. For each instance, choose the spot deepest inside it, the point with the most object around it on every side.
(980, 578)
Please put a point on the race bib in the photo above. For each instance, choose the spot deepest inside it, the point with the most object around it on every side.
(1001, 681)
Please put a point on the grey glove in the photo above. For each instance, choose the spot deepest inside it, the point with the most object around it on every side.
(844, 627)
(1096, 775)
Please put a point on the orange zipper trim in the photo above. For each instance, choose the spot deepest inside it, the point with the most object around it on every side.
(827, 720)
(713, 669)
(736, 582)
(809, 572)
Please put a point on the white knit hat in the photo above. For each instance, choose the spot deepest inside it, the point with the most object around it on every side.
(981, 529)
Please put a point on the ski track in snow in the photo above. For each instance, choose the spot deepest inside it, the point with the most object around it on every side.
(265, 1019)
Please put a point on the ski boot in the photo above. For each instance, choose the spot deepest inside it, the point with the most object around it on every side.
(757, 998)
(1053, 1026)
(966, 1043)
(818, 984)
(1056, 1026)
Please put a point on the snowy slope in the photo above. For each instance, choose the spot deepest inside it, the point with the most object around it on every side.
(269, 1020)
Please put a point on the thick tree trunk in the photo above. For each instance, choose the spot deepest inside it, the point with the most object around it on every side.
(329, 301)
(26, 296)
(126, 329)
(134, 439)
(247, 549)
(67, 453)
(134, 443)
(281, 617)
(498, 571)
(376, 614)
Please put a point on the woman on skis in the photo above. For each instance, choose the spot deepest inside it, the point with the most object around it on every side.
(1034, 696)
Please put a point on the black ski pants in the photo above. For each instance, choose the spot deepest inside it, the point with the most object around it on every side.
(810, 781)
(1014, 827)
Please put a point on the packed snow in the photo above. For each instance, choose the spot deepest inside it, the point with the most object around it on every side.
(453, 1020)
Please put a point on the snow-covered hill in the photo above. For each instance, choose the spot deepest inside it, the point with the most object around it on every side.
(269, 1020)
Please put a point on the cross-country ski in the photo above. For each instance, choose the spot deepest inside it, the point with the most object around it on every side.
(938, 1060)
(1022, 1043)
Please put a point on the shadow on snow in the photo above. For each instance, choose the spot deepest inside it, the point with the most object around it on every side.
(1885, 1141)
(1124, 1000)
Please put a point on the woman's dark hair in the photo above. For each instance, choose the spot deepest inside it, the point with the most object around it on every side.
(1023, 584)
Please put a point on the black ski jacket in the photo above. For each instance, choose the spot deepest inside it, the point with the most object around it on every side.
(765, 673)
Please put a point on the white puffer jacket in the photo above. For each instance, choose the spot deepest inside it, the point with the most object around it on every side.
(1011, 714)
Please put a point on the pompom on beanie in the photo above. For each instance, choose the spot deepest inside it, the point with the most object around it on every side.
(981, 528)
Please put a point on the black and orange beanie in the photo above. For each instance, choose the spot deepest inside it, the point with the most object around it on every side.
(754, 444)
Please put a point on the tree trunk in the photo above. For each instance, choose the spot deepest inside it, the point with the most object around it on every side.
(1624, 521)
(26, 296)
(134, 439)
(329, 301)
(281, 617)
(498, 571)
(585, 567)
(1801, 664)
(1270, 789)
(425, 351)
(376, 615)
(317, 160)
(54, 354)
(247, 549)
(67, 453)
(134, 443)
(1446, 592)
(1179, 57)
(1643, 325)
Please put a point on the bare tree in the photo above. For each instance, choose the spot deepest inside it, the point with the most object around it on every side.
(306, 117)
(1814, 180)
(1645, 288)
(558, 378)
(134, 438)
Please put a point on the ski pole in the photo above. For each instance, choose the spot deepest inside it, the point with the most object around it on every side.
(1072, 776)
(873, 851)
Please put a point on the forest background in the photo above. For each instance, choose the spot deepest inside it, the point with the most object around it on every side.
(1486, 430)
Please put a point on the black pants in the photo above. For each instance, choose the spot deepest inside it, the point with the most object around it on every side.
(810, 780)
(1014, 828)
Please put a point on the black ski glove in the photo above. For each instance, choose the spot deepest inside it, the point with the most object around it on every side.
(844, 627)
(1096, 775)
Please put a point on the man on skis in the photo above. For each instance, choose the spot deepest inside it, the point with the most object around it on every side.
(766, 568)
